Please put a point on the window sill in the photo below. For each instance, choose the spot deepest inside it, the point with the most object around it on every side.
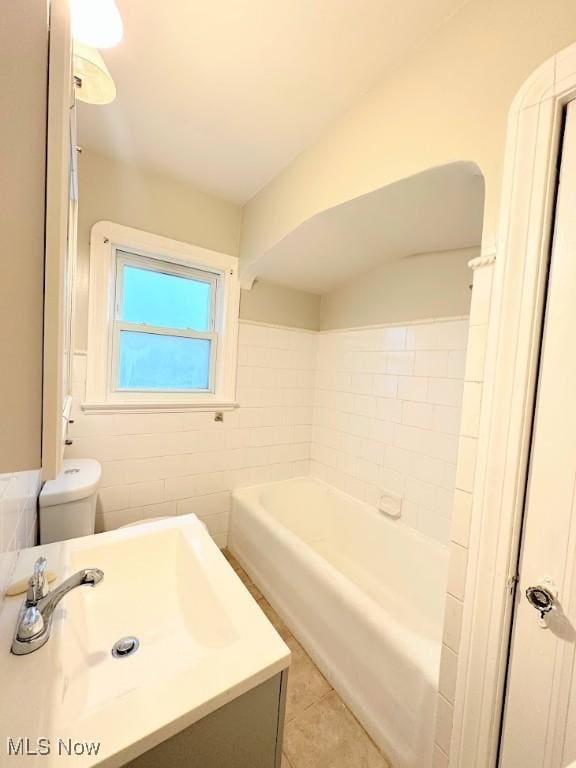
(158, 407)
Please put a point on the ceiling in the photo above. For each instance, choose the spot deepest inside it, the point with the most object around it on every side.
(223, 95)
(438, 210)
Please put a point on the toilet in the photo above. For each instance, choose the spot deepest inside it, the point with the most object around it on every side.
(68, 503)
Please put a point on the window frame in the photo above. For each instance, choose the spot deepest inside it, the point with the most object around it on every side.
(111, 247)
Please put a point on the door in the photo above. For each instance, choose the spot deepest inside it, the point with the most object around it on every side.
(539, 725)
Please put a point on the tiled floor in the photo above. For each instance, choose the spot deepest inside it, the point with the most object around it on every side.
(320, 731)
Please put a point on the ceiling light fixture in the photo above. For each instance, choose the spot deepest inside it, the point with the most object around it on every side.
(96, 23)
(94, 84)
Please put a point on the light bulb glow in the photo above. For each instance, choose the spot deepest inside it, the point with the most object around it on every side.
(96, 23)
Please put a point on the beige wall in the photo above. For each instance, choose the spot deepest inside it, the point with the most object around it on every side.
(119, 192)
(430, 285)
(135, 197)
(276, 304)
(448, 101)
(23, 80)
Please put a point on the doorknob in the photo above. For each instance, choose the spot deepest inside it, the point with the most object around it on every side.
(543, 598)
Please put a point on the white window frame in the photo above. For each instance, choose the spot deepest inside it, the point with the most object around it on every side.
(111, 247)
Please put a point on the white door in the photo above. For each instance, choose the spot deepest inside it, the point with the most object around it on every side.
(539, 726)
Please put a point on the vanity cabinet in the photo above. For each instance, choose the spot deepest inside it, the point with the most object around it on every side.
(245, 733)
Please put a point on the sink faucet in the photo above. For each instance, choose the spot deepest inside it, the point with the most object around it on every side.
(35, 618)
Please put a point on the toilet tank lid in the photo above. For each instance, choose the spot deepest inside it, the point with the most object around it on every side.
(77, 480)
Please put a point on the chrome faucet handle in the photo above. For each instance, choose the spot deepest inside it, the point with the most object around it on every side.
(31, 624)
(38, 584)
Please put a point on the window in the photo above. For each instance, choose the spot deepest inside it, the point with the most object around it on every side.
(164, 331)
(163, 323)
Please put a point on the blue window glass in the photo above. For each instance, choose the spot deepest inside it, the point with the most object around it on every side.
(165, 300)
(161, 362)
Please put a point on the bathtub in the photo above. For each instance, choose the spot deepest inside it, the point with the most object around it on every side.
(363, 594)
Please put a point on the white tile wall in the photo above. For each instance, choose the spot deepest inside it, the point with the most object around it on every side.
(18, 504)
(463, 503)
(176, 463)
(444, 718)
(440, 759)
(387, 416)
(378, 409)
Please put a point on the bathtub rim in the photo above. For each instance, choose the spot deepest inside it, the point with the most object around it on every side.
(247, 491)
(371, 611)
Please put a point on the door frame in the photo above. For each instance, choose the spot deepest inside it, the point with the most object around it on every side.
(522, 257)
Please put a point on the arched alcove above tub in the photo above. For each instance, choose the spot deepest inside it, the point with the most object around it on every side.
(439, 209)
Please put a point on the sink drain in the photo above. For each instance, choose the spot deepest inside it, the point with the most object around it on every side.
(126, 646)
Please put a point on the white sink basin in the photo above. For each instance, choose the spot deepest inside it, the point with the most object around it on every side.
(203, 641)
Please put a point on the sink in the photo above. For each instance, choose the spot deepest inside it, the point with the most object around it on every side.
(202, 642)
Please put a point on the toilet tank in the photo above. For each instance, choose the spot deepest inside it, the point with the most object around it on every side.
(68, 503)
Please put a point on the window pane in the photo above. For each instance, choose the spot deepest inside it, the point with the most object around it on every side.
(168, 301)
(155, 361)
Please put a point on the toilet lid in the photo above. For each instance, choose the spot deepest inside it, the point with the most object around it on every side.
(77, 480)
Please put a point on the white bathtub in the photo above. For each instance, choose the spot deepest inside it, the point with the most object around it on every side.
(364, 595)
